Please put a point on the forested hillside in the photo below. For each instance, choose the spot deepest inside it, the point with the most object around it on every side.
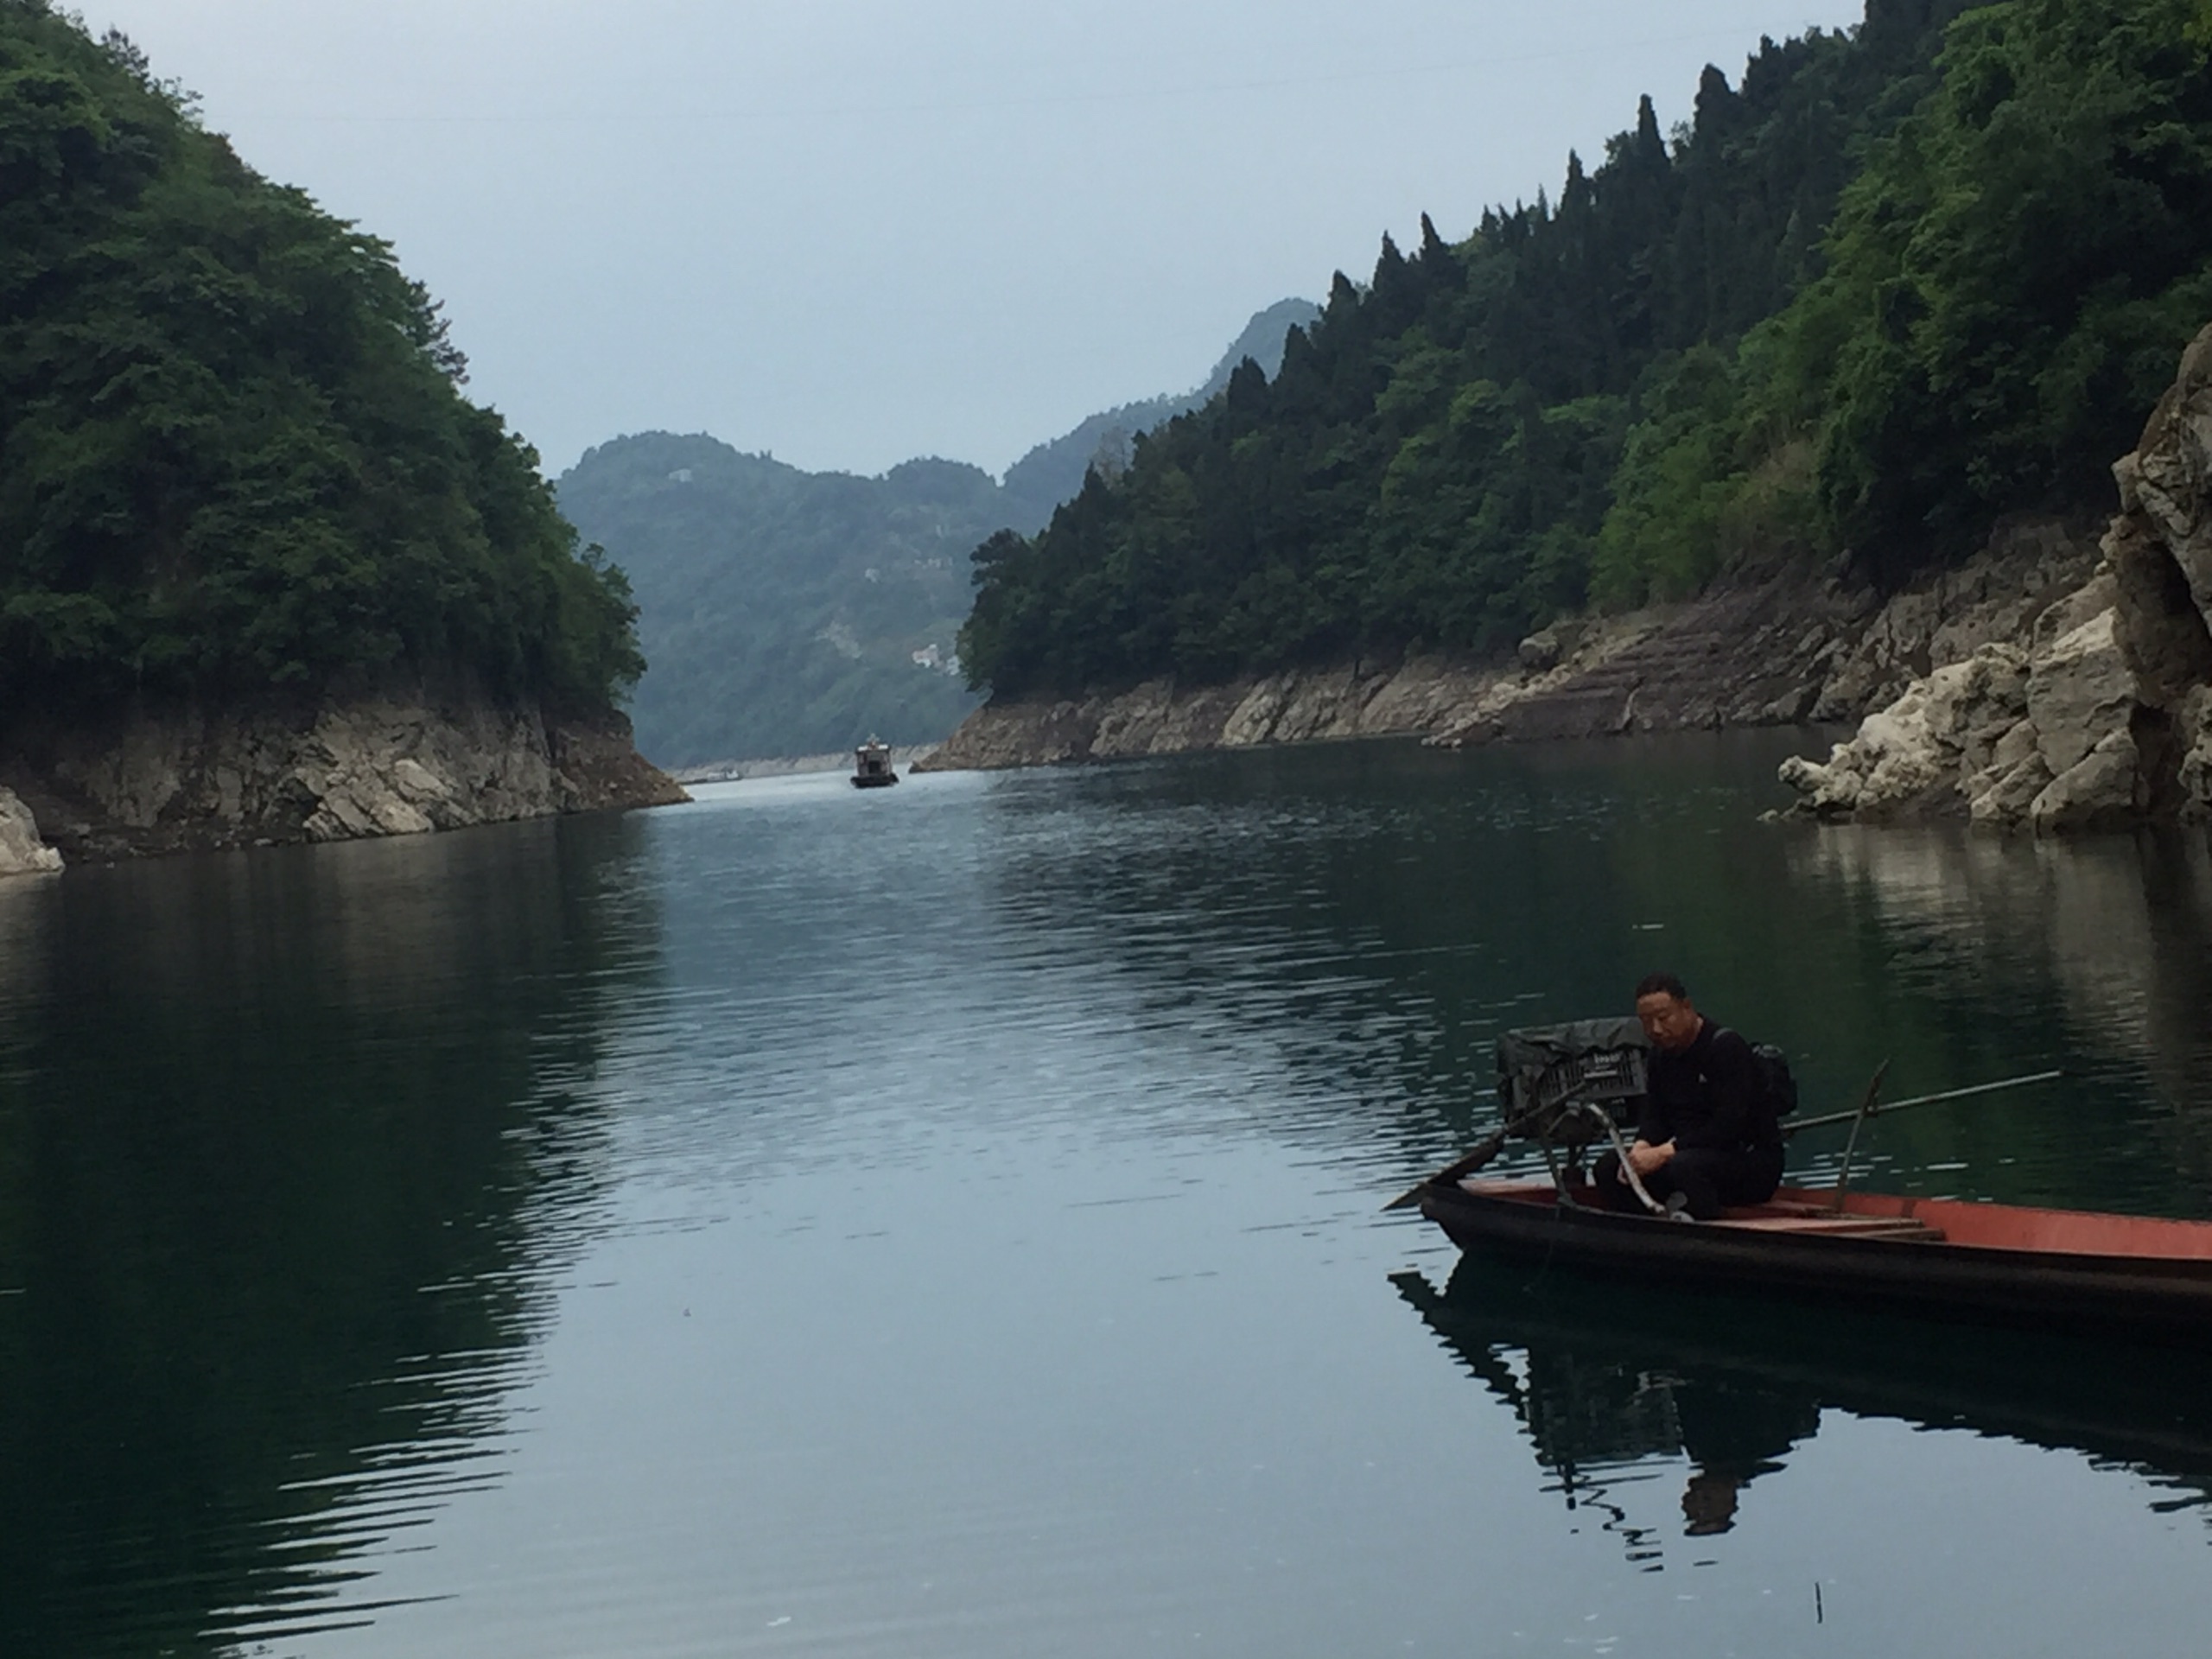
(233, 456)
(1052, 471)
(782, 610)
(1898, 280)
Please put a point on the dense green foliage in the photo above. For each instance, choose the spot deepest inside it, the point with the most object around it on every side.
(1900, 281)
(232, 453)
(2007, 283)
(2011, 278)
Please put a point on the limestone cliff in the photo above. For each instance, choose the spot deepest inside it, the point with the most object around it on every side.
(390, 764)
(2098, 713)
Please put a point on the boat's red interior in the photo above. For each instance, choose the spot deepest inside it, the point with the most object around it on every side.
(1986, 1226)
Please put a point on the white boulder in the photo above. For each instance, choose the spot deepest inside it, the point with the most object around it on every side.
(21, 852)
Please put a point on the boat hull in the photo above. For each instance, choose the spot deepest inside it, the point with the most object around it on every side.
(877, 781)
(2142, 1274)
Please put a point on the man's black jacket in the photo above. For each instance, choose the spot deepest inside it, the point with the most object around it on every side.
(1707, 1096)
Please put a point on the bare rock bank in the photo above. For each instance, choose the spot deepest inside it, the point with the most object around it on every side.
(171, 780)
(21, 852)
(2097, 712)
(1798, 645)
(1359, 699)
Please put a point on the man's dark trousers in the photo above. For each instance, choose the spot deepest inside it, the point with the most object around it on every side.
(1708, 1178)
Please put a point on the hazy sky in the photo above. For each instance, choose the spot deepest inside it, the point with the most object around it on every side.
(849, 232)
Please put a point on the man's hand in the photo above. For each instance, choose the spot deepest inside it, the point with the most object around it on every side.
(1645, 1158)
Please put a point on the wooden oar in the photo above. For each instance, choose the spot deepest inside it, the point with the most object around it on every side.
(1467, 1166)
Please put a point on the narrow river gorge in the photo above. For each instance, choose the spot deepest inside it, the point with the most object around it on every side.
(945, 1221)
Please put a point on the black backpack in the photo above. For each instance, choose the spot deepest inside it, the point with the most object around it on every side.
(1777, 1089)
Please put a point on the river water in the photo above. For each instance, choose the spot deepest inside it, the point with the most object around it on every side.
(944, 1221)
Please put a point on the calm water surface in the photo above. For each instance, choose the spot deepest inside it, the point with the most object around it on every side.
(944, 1222)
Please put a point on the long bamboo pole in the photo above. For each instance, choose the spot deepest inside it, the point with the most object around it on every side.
(1790, 1125)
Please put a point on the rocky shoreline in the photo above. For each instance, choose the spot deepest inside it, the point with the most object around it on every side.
(1793, 647)
(394, 763)
(2097, 716)
(2056, 681)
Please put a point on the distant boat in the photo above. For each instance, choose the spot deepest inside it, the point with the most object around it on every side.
(872, 766)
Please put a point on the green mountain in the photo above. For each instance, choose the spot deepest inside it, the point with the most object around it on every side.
(1899, 281)
(783, 611)
(780, 609)
(233, 453)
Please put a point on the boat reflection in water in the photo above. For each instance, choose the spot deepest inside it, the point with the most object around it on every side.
(1612, 1383)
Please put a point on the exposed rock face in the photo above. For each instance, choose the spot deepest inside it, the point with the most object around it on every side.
(1421, 695)
(1910, 753)
(1793, 647)
(2036, 734)
(2160, 550)
(21, 853)
(165, 780)
(2099, 712)
(1542, 650)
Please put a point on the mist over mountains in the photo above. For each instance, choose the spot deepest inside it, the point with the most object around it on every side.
(784, 612)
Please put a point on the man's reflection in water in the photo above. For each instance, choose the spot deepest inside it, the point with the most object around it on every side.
(1608, 1379)
(1733, 1432)
(1594, 1407)
(1709, 1502)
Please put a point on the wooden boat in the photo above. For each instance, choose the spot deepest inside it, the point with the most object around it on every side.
(2066, 1267)
(872, 766)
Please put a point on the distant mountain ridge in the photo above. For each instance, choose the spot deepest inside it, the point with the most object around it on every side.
(778, 609)
(1051, 472)
(784, 612)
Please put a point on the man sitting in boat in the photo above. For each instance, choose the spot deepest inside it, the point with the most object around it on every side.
(1706, 1137)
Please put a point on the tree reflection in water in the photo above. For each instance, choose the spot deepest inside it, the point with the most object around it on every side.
(293, 1147)
(1613, 1385)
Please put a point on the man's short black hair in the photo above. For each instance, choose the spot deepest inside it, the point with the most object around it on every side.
(1662, 984)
